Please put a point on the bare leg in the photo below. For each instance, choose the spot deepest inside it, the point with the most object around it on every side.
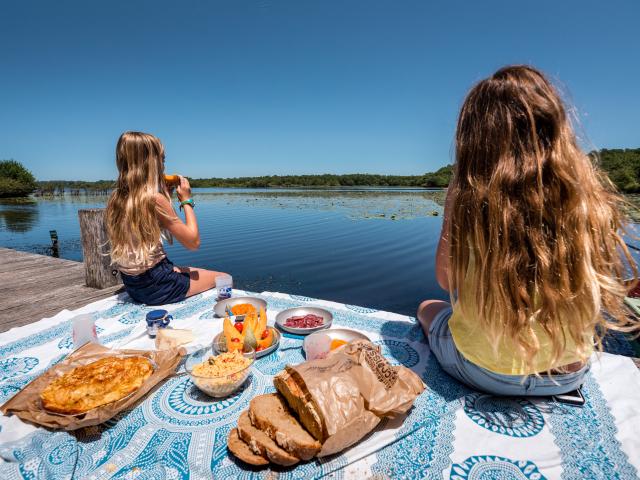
(201, 279)
(427, 311)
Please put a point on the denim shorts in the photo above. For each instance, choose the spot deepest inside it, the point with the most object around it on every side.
(158, 285)
(453, 362)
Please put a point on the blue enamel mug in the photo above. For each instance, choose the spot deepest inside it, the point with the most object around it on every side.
(157, 319)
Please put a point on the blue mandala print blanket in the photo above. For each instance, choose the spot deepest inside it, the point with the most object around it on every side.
(452, 432)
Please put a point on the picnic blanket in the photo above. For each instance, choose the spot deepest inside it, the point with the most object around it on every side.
(452, 431)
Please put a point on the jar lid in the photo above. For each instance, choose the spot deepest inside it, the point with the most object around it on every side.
(156, 315)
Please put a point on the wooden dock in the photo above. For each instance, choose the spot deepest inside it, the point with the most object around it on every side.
(35, 286)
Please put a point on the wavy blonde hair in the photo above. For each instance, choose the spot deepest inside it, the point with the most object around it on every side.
(539, 220)
(131, 216)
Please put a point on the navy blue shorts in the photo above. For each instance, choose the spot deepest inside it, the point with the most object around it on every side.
(158, 285)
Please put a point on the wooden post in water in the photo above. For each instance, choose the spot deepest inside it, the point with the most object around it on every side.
(99, 272)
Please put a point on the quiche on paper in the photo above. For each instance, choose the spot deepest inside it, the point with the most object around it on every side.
(98, 383)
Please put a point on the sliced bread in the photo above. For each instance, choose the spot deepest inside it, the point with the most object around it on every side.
(270, 414)
(261, 444)
(241, 450)
(301, 402)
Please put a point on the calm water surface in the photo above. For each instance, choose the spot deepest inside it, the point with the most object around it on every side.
(370, 247)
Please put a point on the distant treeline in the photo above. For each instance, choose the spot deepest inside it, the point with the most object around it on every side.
(438, 179)
(622, 166)
(59, 187)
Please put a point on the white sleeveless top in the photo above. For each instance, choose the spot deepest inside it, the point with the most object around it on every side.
(134, 265)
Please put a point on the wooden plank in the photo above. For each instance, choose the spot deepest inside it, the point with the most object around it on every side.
(37, 295)
(17, 317)
(28, 263)
(60, 299)
(9, 255)
(34, 270)
(51, 275)
(35, 286)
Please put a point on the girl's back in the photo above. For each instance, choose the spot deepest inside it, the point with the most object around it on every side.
(531, 246)
(534, 231)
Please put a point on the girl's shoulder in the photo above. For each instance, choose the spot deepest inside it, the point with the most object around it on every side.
(164, 206)
(162, 201)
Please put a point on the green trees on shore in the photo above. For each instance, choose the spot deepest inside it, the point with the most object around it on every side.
(436, 179)
(15, 180)
(622, 166)
(59, 187)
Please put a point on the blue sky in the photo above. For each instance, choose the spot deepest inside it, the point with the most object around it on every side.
(237, 88)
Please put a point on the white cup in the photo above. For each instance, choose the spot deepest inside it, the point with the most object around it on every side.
(316, 345)
(84, 329)
(224, 285)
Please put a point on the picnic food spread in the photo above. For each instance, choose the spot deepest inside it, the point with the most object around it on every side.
(175, 427)
(98, 383)
(311, 416)
(320, 407)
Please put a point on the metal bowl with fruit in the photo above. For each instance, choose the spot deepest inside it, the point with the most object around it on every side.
(252, 333)
(239, 307)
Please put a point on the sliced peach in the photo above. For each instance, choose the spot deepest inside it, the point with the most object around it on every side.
(265, 340)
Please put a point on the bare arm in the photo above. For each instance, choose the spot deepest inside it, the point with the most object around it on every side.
(442, 254)
(186, 232)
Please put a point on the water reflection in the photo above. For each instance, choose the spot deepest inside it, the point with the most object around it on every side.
(19, 216)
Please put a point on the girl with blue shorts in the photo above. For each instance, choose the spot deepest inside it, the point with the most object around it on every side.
(530, 250)
(139, 217)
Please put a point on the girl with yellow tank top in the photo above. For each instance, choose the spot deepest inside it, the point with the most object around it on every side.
(530, 250)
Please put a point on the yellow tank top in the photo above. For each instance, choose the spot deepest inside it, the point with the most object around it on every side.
(472, 342)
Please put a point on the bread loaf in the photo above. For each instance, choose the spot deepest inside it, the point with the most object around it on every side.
(270, 414)
(338, 399)
(301, 402)
(241, 450)
(261, 444)
(341, 398)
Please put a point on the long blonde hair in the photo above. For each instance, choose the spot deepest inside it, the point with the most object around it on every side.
(540, 222)
(131, 216)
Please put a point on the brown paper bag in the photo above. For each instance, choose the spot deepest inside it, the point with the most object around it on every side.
(26, 404)
(353, 388)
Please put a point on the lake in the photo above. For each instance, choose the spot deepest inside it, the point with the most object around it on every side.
(373, 247)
